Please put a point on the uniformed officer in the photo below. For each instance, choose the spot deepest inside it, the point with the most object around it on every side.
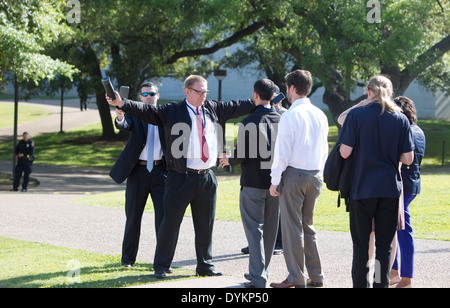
(25, 157)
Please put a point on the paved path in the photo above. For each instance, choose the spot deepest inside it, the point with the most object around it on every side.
(72, 117)
(52, 213)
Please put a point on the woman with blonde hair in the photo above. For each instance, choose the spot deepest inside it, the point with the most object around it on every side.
(378, 136)
(377, 84)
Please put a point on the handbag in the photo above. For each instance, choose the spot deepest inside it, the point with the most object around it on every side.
(337, 175)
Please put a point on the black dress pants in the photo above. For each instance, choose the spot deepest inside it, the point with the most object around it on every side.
(140, 184)
(198, 190)
(384, 212)
(23, 166)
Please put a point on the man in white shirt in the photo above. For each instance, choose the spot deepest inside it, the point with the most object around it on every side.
(141, 163)
(193, 132)
(301, 150)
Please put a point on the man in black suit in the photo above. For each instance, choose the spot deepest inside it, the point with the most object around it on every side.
(194, 133)
(259, 210)
(142, 164)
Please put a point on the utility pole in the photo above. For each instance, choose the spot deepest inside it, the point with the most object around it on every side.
(62, 106)
(16, 112)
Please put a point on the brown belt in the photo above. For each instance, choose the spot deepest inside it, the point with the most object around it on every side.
(155, 162)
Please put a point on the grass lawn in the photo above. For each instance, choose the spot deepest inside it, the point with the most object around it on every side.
(430, 210)
(437, 134)
(81, 147)
(27, 264)
(25, 114)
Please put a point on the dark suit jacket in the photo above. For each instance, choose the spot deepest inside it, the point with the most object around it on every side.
(135, 144)
(256, 134)
(175, 120)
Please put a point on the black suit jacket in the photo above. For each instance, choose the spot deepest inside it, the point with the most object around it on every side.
(255, 147)
(175, 120)
(135, 144)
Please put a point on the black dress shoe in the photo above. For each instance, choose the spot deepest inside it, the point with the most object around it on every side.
(160, 274)
(277, 251)
(126, 266)
(245, 250)
(209, 273)
(248, 276)
(169, 270)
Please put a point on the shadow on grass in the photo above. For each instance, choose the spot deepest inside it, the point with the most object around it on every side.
(108, 276)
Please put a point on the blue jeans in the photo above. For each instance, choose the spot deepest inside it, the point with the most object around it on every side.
(405, 244)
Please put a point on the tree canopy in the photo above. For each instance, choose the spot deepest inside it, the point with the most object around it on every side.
(27, 28)
(132, 41)
(337, 42)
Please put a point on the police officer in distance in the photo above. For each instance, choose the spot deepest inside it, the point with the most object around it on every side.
(25, 157)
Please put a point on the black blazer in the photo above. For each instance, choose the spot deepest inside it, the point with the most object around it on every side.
(253, 137)
(135, 144)
(175, 120)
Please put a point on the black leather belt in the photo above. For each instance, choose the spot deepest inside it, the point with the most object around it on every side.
(204, 171)
(155, 162)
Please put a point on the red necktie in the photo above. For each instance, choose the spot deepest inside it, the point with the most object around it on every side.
(201, 135)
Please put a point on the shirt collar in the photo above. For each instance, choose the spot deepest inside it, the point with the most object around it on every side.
(189, 104)
(268, 106)
(301, 101)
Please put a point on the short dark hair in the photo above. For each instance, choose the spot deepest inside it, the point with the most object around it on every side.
(264, 88)
(408, 108)
(148, 84)
(301, 80)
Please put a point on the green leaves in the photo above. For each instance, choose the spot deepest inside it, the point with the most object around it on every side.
(27, 28)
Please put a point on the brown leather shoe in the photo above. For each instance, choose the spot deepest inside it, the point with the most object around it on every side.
(283, 285)
(313, 284)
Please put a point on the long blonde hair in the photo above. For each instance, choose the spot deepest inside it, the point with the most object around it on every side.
(383, 89)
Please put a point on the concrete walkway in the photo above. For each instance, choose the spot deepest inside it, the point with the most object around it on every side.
(72, 117)
(52, 213)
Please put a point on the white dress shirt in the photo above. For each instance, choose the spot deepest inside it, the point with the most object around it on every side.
(194, 160)
(157, 151)
(302, 140)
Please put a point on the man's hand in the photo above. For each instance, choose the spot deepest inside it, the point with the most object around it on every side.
(119, 114)
(117, 102)
(273, 190)
(224, 162)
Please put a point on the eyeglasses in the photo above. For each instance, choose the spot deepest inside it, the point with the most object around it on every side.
(200, 92)
(145, 94)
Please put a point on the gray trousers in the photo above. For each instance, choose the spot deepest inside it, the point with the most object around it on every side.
(260, 214)
(299, 191)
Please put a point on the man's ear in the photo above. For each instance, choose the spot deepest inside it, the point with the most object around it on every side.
(255, 95)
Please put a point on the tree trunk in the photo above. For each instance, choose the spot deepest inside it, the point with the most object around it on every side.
(335, 96)
(103, 107)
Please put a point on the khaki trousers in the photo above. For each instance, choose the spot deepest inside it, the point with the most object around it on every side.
(299, 191)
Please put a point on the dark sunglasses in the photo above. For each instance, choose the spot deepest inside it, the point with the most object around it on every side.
(145, 94)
